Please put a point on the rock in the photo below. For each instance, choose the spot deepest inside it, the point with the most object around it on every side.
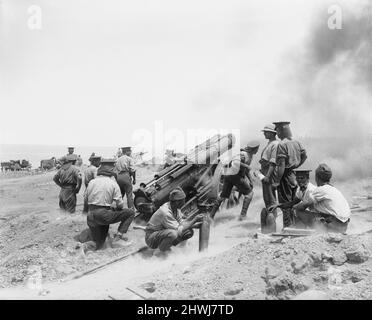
(233, 291)
(186, 270)
(270, 273)
(326, 256)
(349, 275)
(312, 295)
(149, 287)
(338, 258)
(316, 257)
(300, 263)
(334, 238)
(279, 284)
(357, 254)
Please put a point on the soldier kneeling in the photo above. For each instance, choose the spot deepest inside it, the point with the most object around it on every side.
(100, 195)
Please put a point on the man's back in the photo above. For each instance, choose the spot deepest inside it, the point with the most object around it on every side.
(90, 173)
(125, 163)
(329, 200)
(291, 151)
(103, 191)
(68, 175)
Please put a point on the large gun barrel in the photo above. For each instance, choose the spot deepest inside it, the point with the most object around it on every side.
(197, 176)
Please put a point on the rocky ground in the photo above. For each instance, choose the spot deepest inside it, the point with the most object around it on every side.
(36, 237)
(316, 267)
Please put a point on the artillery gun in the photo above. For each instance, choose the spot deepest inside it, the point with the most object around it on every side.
(199, 177)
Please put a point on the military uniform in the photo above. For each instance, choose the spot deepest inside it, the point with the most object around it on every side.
(237, 175)
(68, 177)
(100, 195)
(165, 230)
(268, 159)
(125, 170)
(293, 154)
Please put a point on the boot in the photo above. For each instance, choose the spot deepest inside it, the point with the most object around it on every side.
(215, 207)
(120, 241)
(246, 202)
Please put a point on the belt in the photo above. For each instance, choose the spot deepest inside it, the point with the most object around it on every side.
(123, 172)
(94, 206)
(68, 185)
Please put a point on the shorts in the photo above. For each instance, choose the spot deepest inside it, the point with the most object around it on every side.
(243, 185)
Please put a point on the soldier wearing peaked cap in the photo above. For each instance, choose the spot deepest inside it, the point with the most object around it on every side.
(269, 171)
(167, 228)
(71, 152)
(290, 155)
(101, 194)
(237, 173)
(90, 173)
(126, 175)
(69, 179)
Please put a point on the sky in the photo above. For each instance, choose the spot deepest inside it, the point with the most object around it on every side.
(106, 72)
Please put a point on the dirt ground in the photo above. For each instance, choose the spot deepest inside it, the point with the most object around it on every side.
(37, 240)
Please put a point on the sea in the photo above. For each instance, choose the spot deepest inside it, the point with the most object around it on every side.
(35, 153)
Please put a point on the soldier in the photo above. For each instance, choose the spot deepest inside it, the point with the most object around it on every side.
(126, 175)
(303, 194)
(71, 151)
(237, 173)
(69, 179)
(325, 206)
(269, 170)
(171, 158)
(101, 193)
(166, 227)
(90, 173)
(290, 156)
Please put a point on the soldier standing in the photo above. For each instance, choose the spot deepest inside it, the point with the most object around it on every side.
(126, 175)
(90, 173)
(69, 179)
(290, 155)
(269, 170)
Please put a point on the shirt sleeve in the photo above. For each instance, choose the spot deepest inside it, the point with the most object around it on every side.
(298, 193)
(131, 166)
(170, 223)
(273, 153)
(57, 175)
(281, 152)
(117, 195)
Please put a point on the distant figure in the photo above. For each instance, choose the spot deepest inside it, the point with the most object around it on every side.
(171, 158)
(270, 172)
(71, 152)
(166, 227)
(119, 153)
(290, 155)
(325, 206)
(101, 193)
(91, 173)
(237, 173)
(69, 179)
(79, 161)
(126, 175)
